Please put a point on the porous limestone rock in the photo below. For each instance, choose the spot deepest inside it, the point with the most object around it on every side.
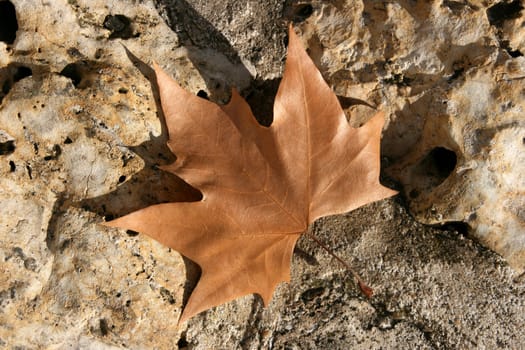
(481, 124)
(65, 282)
(81, 138)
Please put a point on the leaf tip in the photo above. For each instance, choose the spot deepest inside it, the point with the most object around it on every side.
(183, 318)
(291, 34)
(388, 192)
(107, 223)
(158, 70)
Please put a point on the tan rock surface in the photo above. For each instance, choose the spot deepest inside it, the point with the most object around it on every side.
(80, 139)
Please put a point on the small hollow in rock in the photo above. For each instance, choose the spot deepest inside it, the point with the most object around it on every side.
(203, 94)
(299, 12)
(432, 170)
(119, 25)
(7, 147)
(82, 73)
(73, 72)
(503, 11)
(8, 22)
(132, 233)
(10, 75)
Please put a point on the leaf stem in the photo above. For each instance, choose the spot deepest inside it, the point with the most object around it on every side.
(366, 290)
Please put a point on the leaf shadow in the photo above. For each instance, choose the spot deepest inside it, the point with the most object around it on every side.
(151, 185)
(210, 52)
(218, 62)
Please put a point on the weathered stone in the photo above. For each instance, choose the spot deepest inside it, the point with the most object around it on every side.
(468, 163)
(81, 137)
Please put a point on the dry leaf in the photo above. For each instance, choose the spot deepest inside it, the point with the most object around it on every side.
(261, 186)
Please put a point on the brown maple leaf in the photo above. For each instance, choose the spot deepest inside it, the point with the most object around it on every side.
(261, 186)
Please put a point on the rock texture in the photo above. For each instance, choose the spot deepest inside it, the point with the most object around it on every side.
(81, 139)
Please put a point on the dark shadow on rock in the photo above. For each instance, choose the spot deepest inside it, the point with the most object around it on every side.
(203, 41)
(305, 256)
(10, 75)
(151, 185)
(260, 96)
(147, 187)
(347, 102)
(53, 225)
(193, 30)
(193, 275)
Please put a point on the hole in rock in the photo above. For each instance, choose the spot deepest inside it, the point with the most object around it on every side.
(132, 233)
(444, 160)
(21, 73)
(119, 26)
(166, 295)
(8, 22)
(433, 169)
(460, 227)
(303, 11)
(74, 52)
(12, 166)
(7, 147)
(298, 12)
(455, 6)
(441, 162)
(203, 94)
(30, 264)
(503, 11)
(104, 329)
(457, 73)
(55, 153)
(122, 178)
(182, 343)
(10, 75)
(98, 53)
(83, 73)
(311, 294)
(73, 72)
(309, 259)
(514, 53)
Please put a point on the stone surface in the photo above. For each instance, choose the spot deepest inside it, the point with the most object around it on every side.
(81, 139)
